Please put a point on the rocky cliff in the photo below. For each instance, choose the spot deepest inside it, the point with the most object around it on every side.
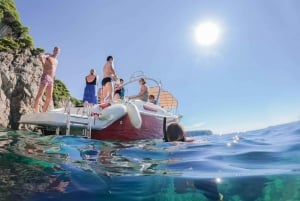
(20, 69)
(19, 80)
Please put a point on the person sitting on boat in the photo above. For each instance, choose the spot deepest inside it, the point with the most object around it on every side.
(152, 99)
(89, 94)
(174, 132)
(143, 94)
(119, 89)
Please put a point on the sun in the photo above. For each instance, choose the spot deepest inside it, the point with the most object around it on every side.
(207, 33)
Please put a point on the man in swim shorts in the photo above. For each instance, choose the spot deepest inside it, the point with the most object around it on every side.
(46, 80)
(49, 62)
(106, 80)
(109, 75)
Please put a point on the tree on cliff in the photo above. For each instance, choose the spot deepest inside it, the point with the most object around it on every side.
(13, 35)
(20, 69)
(61, 95)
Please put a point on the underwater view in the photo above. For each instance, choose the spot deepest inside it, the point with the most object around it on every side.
(260, 165)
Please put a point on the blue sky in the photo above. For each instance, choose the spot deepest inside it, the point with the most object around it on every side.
(248, 80)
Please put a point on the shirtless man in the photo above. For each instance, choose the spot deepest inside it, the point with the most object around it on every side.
(47, 80)
(109, 74)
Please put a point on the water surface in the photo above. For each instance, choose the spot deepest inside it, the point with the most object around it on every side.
(261, 165)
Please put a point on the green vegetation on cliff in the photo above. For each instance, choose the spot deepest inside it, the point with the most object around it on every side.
(61, 95)
(14, 36)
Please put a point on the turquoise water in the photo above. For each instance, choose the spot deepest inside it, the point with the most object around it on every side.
(262, 165)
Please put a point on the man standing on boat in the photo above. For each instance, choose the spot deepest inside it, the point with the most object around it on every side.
(109, 75)
(49, 62)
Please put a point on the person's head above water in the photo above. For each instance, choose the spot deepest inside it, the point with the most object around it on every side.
(174, 132)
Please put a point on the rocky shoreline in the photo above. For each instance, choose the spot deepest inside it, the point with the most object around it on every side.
(21, 70)
(19, 81)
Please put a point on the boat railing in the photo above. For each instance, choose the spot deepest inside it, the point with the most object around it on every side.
(162, 97)
(89, 123)
(137, 75)
(68, 122)
(140, 74)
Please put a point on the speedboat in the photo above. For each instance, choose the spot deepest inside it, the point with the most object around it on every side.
(122, 120)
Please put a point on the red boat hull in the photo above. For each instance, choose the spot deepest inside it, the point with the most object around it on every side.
(122, 129)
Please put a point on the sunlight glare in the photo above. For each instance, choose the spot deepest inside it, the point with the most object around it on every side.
(207, 33)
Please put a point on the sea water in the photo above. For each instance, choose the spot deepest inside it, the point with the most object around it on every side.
(260, 165)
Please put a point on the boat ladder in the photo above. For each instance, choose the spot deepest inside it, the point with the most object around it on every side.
(87, 126)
